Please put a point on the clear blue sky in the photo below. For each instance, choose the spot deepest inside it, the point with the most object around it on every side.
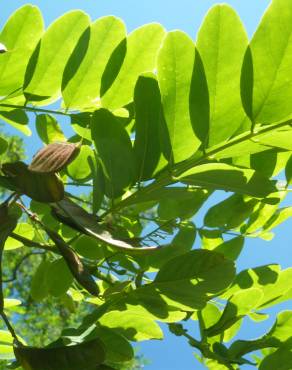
(174, 353)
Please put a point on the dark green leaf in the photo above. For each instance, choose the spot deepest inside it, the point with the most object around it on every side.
(147, 119)
(115, 151)
(84, 356)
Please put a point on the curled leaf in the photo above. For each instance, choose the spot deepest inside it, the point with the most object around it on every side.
(75, 216)
(42, 187)
(54, 157)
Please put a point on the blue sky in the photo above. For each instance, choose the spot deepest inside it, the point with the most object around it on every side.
(174, 353)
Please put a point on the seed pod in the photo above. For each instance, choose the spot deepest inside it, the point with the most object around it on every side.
(78, 270)
(54, 157)
(3, 48)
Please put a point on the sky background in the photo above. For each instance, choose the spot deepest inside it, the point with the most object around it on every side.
(174, 353)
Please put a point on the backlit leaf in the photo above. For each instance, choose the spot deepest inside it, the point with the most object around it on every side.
(20, 36)
(267, 99)
(228, 178)
(221, 44)
(137, 56)
(82, 76)
(44, 73)
(175, 65)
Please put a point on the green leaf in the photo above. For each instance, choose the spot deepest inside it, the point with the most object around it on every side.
(181, 243)
(23, 229)
(132, 325)
(59, 278)
(88, 247)
(82, 76)
(80, 169)
(188, 279)
(20, 36)
(76, 217)
(211, 239)
(138, 55)
(86, 355)
(117, 348)
(39, 284)
(147, 120)
(48, 129)
(183, 207)
(3, 145)
(81, 124)
(273, 282)
(228, 178)
(232, 248)
(11, 302)
(175, 65)
(45, 70)
(230, 213)
(278, 217)
(221, 44)
(239, 305)
(270, 89)
(279, 336)
(18, 119)
(115, 151)
(280, 360)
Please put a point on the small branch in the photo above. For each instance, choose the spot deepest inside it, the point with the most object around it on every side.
(10, 327)
(33, 244)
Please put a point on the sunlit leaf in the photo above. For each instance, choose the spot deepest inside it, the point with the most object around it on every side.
(135, 56)
(18, 119)
(20, 36)
(267, 90)
(24, 229)
(132, 325)
(175, 65)
(82, 76)
(48, 129)
(221, 44)
(44, 73)
(228, 178)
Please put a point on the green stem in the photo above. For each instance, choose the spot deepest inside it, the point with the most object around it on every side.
(33, 109)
